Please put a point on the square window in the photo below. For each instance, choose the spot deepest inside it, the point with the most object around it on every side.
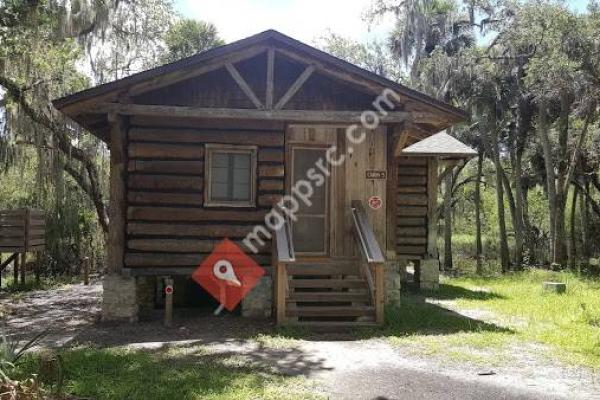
(230, 175)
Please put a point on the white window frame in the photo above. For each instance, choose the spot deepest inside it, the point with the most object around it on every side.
(229, 149)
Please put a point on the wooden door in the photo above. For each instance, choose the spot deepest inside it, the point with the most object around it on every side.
(310, 231)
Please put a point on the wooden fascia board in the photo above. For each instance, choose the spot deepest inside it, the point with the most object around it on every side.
(281, 115)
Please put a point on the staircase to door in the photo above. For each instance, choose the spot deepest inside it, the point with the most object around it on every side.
(330, 292)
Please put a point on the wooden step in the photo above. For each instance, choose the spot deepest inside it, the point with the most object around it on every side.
(323, 269)
(328, 297)
(330, 311)
(327, 283)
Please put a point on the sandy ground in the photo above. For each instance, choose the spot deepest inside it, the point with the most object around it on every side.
(340, 367)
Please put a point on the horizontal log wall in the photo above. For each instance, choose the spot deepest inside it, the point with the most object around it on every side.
(167, 223)
(411, 208)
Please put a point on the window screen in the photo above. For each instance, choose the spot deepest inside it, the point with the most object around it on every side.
(230, 177)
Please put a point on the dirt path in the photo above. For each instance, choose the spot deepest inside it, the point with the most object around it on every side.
(64, 312)
(341, 367)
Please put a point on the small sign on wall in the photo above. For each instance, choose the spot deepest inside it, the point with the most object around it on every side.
(376, 174)
(375, 202)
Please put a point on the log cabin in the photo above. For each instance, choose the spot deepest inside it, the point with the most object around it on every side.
(204, 148)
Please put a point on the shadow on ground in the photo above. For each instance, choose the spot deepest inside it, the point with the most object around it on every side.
(451, 292)
(177, 371)
(417, 316)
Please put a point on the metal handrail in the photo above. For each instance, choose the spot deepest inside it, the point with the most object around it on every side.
(364, 232)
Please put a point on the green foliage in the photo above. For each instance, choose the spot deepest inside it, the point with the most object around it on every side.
(187, 37)
(373, 56)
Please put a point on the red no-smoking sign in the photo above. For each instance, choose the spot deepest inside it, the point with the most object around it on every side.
(228, 274)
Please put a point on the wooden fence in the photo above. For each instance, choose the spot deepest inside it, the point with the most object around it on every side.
(21, 231)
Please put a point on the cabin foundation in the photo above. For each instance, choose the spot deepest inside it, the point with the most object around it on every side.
(430, 274)
(119, 299)
(393, 283)
(146, 293)
(258, 303)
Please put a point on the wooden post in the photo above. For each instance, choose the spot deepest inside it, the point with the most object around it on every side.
(118, 202)
(36, 267)
(281, 276)
(86, 270)
(392, 183)
(379, 293)
(23, 268)
(27, 216)
(16, 271)
(169, 302)
(270, 78)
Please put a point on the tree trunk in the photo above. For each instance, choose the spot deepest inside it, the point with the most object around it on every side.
(573, 241)
(562, 183)
(448, 221)
(550, 176)
(584, 212)
(518, 220)
(560, 242)
(491, 140)
(529, 233)
(504, 252)
(478, 241)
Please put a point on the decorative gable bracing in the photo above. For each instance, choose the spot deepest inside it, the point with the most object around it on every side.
(268, 76)
(248, 84)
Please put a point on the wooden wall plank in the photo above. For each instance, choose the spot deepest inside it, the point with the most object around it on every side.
(271, 171)
(242, 137)
(270, 185)
(412, 199)
(166, 151)
(271, 155)
(165, 198)
(167, 167)
(412, 211)
(176, 260)
(169, 229)
(165, 182)
(193, 214)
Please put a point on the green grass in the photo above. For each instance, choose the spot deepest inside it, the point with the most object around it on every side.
(424, 329)
(520, 310)
(172, 373)
(569, 322)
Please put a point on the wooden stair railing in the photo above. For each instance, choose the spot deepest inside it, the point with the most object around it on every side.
(373, 268)
(283, 255)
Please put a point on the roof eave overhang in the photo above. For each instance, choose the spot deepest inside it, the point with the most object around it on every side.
(69, 105)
